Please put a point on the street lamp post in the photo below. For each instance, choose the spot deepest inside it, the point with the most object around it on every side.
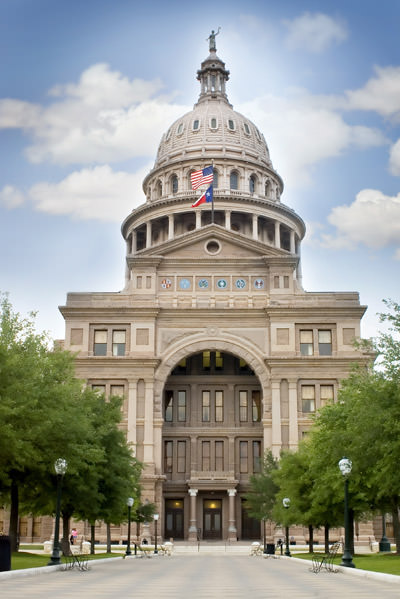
(345, 466)
(60, 466)
(156, 516)
(286, 505)
(384, 544)
(129, 503)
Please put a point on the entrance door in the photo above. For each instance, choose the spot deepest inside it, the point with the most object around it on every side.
(212, 519)
(174, 518)
(251, 528)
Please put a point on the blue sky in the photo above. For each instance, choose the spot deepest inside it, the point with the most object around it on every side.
(87, 88)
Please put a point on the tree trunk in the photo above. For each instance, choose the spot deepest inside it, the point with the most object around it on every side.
(311, 537)
(92, 538)
(396, 528)
(14, 516)
(108, 526)
(138, 532)
(65, 521)
(326, 538)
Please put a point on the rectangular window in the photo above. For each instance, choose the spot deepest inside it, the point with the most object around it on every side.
(286, 282)
(256, 456)
(205, 406)
(205, 456)
(167, 457)
(117, 390)
(181, 466)
(243, 406)
(206, 360)
(219, 361)
(256, 406)
(219, 406)
(219, 456)
(118, 343)
(101, 389)
(308, 398)
(169, 395)
(243, 457)
(326, 394)
(306, 343)
(325, 343)
(276, 282)
(181, 406)
(100, 343)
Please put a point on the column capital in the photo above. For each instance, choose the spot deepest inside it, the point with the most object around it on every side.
(193, 492)
(232, 492)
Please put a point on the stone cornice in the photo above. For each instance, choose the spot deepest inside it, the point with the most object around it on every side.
(95, 312)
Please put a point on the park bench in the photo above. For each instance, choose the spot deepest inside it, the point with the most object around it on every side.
(73, 559)
(325, 560)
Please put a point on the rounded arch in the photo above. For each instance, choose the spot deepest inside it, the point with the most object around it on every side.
(243, 350)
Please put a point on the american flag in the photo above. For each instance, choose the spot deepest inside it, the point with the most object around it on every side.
(203, 177)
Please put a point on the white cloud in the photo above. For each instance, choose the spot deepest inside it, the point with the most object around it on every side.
(11, 197)
(380, 94)
(293, 126)
(373, 219)
(314, 32)
(97, 193)
(394, 158)
(104, 117)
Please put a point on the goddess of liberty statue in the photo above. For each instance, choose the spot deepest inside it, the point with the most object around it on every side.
(211, 39)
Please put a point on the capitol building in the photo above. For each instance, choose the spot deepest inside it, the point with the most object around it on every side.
(218, 351)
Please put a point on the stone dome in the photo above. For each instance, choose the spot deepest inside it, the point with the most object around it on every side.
(212, 133)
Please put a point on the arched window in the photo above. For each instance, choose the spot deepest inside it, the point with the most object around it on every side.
(215, 180)
(158, 189)
(213, 123)
(252, 183)
(234, 180)
(196, 125)
(174, 183)
(231, 125)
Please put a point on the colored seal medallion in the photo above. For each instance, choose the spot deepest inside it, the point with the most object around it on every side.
(240, 283)
(259, 283)
(203, 283)
(222, 284)
(166, 283)
(184, 284)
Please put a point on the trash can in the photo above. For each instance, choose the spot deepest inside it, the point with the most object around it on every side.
(5, 554)
(270, 549)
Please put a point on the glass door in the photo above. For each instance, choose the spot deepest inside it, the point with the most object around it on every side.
(212, 519)
(174, 519)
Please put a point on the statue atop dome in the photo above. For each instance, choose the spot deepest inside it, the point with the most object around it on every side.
(211, 40)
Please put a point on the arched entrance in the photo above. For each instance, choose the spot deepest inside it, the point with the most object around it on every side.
(212, 442)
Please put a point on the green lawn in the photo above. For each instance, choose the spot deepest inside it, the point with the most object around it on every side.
(388, 563)
(21, 559)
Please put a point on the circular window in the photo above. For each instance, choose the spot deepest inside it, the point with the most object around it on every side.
(213, 247)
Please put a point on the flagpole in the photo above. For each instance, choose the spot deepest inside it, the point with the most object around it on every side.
(212, 193)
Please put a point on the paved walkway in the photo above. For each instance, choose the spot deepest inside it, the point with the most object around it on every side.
(197, 577)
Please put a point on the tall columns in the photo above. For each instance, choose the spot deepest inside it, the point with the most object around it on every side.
(276, 418)
(277, 234)
(148, 442)
(132, 403)
(170, 226)
(198, 219)
(192, 515)
(255, 226)
(148, 234)
(292, 242)
(227, 219)
(293, 424)
(232, 530)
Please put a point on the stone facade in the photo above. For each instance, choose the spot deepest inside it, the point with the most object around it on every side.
(216, 347)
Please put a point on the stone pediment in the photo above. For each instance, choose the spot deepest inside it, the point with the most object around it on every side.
(213, 241)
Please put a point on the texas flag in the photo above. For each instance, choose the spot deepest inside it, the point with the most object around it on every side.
(206, 197)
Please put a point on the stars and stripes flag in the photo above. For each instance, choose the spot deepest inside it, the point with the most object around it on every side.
(207, 196)
(203, 177)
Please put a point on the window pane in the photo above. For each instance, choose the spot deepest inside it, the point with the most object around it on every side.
(256, 406)
(100, 343)
(181, 406)
(219, 406)
(205, 449)
(326, 394)
(117, 390)
(219, 455)
(243, 456)
(219, 360)
(168, 406)
(168, 456)
(206, 406)
(231, 125)
(215, 180)
(308, 405)
(213, 123)
(206, 360)
(256, 456)
(243, 406)
(195, 124)
(101, 389)
(252, 184)
(119, 343)
(181, 456)
(308, 398)
(306, 343)
(325, 343)
(234, 181)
